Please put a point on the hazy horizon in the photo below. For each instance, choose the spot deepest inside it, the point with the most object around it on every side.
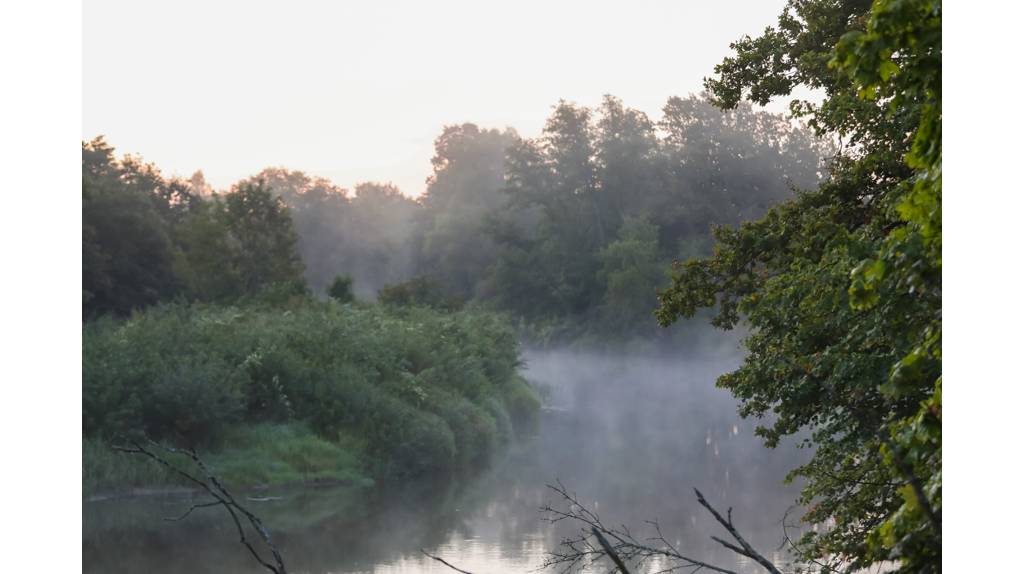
(334, 90)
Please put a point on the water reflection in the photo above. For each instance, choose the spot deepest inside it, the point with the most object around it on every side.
(631, 436)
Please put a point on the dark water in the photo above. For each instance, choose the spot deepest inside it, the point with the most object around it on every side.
(631, 436)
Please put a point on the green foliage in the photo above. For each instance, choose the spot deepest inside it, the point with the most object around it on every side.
(603, 200)
(412, 389)
(532, 227)
(261, 236)
(146, 239)
(469, 170)
(366, 235)
(632, 272)
(105, 469)
(128, 212)
(244, 456)
(266, 454)
(341, 289)
(841, 287)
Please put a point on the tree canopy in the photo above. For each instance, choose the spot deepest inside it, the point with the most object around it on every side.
(841, 287)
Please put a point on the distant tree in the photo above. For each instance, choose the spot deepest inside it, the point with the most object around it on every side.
(367, 234)
(341, 289)
(469, 168)
(552, 183)
(632, 273)
(262, 237)
(571, 190)
(198, 186)
(322, 214)
(717, 162)
(382, 231)
(207, 264)
(128, 211)
(629, 162)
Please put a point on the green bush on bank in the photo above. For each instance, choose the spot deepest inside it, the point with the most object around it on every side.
(320, 389)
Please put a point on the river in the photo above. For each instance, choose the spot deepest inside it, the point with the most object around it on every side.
(631, 435)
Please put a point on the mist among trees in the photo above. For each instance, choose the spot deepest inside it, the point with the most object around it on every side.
(361, 335)
(572, 230)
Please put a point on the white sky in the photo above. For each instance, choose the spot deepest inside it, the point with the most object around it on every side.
(357, 91)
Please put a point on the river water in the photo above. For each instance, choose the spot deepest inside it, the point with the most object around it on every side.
(631, 435)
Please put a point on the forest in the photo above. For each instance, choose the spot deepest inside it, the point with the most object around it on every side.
(295, 331)
(571, 232)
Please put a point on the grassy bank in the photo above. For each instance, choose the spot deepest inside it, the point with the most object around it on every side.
(308, 392)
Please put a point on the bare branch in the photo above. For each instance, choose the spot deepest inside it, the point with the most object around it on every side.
(221, 497)
(618, 544)
(610, 551)
(746, 550)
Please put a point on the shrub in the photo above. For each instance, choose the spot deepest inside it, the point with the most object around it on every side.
(193, 402)
(341, 289)
(419, 291)
(417, 389)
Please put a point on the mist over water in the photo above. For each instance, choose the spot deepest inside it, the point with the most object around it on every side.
(630, 434)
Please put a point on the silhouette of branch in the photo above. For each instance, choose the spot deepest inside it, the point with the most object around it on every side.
(221, 497)
(609, 550)
(189, 511)
(445, 562)
(745, 549)
(617, 543)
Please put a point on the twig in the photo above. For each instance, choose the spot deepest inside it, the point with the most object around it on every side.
(190, 509)
(445, 562)
(579, 551)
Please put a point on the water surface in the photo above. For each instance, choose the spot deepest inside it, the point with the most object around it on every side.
(630, 435)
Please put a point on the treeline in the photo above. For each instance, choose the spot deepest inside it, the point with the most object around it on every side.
(570, 231)
(300, 390)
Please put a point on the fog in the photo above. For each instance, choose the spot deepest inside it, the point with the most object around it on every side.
(630, 434)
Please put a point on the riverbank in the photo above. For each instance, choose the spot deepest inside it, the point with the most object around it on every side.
(249, 458)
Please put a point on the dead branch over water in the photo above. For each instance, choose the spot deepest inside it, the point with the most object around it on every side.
(221, 497)
(597, 541)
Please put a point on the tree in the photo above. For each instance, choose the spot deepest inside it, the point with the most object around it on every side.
(381, 227)
(341, 289)
(262, 237)
(322, 214)
(561, 245)
(206, 265)
(128, 211)
(632, 272)
(469, 170)
(841, 287)
(236, 244)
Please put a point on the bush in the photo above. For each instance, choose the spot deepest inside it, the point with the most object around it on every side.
(419, 291)
(193, 403)
(416, 389)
